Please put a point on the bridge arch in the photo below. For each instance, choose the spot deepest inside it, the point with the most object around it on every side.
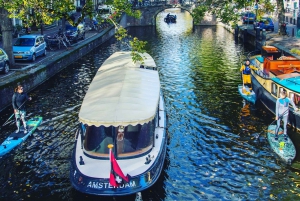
(149, 14)
(148, 17)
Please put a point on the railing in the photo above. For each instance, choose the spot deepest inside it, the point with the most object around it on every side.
(147, 3)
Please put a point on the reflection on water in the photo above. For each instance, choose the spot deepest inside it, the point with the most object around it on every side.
(211, 151)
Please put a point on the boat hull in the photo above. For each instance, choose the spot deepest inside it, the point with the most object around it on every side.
(98, 186)
(285, 149)
(269, 101)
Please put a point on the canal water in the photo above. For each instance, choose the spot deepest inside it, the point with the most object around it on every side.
(211, 153)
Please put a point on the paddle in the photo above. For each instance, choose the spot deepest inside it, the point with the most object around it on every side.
(13, 114)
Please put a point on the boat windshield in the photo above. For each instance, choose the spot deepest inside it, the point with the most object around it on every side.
(128, 141)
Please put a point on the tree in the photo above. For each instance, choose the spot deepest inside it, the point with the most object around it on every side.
(226, 10)
(7, 28)
(38, 12)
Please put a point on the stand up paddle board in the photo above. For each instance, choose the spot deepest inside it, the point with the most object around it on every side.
(247, 94)
(285, 149)
(14, 139)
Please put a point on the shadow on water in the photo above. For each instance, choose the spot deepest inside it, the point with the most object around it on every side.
(211, 151)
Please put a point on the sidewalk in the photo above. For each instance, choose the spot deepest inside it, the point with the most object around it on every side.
(25, 65)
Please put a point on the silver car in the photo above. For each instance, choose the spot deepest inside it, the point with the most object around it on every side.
(4, 62)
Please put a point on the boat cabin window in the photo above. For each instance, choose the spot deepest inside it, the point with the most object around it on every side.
(295, 98)
(128, 140)
(96, 138)
(274, 89)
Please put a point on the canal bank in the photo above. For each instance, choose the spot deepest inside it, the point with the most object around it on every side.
(247, 35)
(33, 75)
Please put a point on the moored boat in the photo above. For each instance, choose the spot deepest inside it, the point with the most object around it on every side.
(123, 107)
(276, 73)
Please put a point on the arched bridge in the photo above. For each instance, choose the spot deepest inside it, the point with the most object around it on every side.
(151, 8)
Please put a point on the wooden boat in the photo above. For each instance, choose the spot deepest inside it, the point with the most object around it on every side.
(247, 94)
(276, 72)
(15, 139)
(124, 99)
(285, 149)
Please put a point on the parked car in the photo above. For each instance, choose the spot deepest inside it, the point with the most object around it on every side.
(28, 47)
(248, 18)
(4, 62)
(264, 23)
(75, 33)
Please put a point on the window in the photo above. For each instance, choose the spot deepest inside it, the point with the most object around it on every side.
(1, 53)
(274, 89)
(128, 141)
(97, 138)
(295, 98)
(37, 41)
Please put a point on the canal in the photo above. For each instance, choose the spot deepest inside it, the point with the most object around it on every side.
(211, 153)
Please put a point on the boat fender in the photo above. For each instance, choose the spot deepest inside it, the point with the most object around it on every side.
(156, 136)
(81, 162)
(4, 146)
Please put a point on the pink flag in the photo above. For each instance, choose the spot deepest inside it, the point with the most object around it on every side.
(116, 175)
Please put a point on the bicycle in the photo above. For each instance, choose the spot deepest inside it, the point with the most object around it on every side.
(54, 43)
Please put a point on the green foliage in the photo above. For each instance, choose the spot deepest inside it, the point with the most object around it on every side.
(227, 10)
(199, 13)
(295, 51)
(137, 47)
(35, 12)
(135, 44)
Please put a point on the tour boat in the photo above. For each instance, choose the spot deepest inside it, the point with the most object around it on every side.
(276, 72)
(122, 129)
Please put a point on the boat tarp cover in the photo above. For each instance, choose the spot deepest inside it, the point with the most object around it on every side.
(121, 93)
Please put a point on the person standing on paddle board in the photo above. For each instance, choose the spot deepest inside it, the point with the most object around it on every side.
(246, 73)
(282, 112)
(18, 102)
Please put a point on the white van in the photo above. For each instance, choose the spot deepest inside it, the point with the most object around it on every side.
(105, 11)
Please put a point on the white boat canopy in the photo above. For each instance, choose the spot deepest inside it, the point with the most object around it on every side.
(121, 93)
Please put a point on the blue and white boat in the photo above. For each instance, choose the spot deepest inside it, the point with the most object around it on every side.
(124, 99)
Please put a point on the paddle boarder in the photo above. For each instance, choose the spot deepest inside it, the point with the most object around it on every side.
(282, 112)
(246, 73)
(18, 102)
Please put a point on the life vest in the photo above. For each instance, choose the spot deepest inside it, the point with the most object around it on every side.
(247, 70)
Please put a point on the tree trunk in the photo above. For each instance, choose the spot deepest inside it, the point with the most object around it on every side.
(7, 29)
(280, 10)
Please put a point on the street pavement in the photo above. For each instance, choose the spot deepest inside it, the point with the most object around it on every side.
(21, 65)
